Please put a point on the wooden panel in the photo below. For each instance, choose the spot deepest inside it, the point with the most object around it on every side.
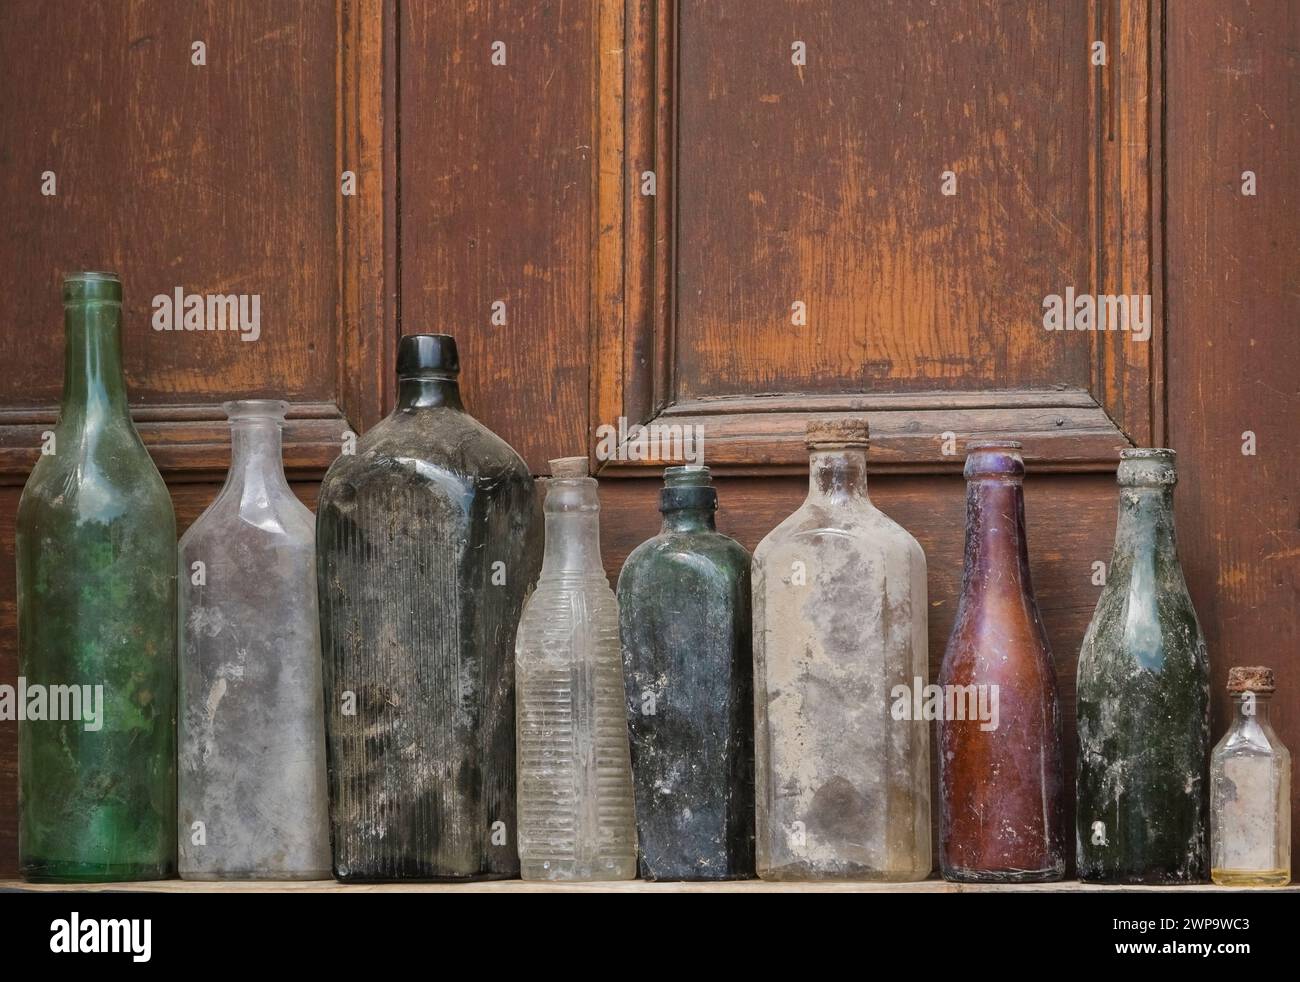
(497, 199)
(189, 501)
(775, 184)
(217, 178)
(1234, 359)
(821, 183)
(1071, 520)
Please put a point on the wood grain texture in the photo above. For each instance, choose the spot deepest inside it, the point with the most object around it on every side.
(498, 200)
(821, 183)
(1233, 292)
(216, 178)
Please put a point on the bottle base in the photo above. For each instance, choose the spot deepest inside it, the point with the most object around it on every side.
(38, 872)
(1251, 877)
(802, 873)
(1050, 875)
(217, 876)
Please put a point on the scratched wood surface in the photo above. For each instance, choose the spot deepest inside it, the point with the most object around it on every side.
(497, 200)
(1234, 356)
(217, 179)
(822, 183)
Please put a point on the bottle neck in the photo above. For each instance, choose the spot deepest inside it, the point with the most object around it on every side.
(1247, 710)
(93, 386)
(837, 476)
(997, 552)
(1145, 528)
(256, 474)
(429, 391)
(572, 528)
(689, 520)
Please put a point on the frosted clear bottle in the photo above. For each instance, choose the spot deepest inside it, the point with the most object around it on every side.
(1250, 790)
(251, 774)
(842, 770)
(575, 799)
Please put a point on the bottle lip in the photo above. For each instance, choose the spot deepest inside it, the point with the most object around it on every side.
(429, 356)
(1147, 467)
(246, 410)
(994, 458)
(687, 476)
(88, 285)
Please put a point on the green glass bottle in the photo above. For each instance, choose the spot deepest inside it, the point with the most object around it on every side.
(96, 551)
(1143, 695)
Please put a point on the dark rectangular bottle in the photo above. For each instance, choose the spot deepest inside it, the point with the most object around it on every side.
(428, 539)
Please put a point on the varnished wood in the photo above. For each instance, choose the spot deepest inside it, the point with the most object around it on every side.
(1233, 104)
(712, 100)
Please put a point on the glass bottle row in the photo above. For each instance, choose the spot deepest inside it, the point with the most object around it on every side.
(386, 693)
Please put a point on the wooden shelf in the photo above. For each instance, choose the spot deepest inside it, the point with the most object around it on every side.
(626, 886)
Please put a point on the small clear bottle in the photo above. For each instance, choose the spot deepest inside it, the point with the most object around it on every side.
(576, 812)
(1250, 790)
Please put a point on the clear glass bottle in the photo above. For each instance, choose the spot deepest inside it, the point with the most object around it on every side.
(576, 812)
(842, 787)
(1250, 790)
(251, 771)
(96, 556)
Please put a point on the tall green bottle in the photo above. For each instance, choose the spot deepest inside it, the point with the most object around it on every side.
(1143, 700)
(96, 550)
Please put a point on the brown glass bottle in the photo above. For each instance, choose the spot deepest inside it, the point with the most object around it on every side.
(1000, 781)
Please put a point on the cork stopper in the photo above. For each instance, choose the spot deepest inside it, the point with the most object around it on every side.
(838, 431)
(562, 467)
(1254, 678)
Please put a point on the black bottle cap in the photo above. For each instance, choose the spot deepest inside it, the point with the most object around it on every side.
(427, 355)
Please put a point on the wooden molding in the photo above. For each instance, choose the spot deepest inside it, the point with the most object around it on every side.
(1066, 430)
(188, 444)
(366, 144)
(910, 432)
(1126, 105)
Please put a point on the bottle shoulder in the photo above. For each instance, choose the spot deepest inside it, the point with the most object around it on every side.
(280, 520)
(697, 550)
(102, 479)
(440, 448)
(813, 526)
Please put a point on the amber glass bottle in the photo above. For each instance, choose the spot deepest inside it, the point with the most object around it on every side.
(1002, 807)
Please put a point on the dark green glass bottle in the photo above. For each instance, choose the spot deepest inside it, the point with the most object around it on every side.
(684, 619)
(96, 551)
(1143, 700)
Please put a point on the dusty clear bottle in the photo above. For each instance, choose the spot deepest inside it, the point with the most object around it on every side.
(1250, 790)
(96, 555)
(251, 772)
(842, 777)
(576, 811)
(1143, 700)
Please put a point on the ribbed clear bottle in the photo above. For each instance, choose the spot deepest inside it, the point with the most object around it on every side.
(576, 812)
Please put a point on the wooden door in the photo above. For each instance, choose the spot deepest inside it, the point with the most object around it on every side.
(720, 214)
